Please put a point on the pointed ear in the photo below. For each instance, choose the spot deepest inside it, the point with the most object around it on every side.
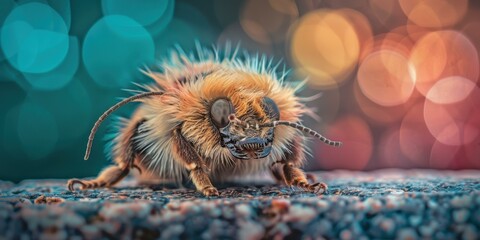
(108, 112)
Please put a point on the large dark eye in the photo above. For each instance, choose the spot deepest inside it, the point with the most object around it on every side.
(271, 109)
(220, 111)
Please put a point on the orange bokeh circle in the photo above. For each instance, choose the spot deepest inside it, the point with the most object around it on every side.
(325, 45)
(378, 114)
(442, 54)
(454, 123)
(434, 13)
(386, 78)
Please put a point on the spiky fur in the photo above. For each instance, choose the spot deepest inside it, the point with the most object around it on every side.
(191, 82)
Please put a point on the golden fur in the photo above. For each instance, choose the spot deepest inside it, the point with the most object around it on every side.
(188, 104)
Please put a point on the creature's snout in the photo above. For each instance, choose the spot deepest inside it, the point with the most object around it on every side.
(252, 144)
(249, 142)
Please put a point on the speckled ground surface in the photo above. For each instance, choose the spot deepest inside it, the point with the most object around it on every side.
(386, 204)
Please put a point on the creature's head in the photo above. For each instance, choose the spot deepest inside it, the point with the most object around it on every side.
(244, 137)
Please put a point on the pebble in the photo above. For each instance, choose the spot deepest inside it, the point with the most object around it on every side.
(250, 230)
(48, 200)
(407, 234)
(461, 216)
(125, 211)
(470, 233)
(90, 231)
(395, 192)
(372, 205)
(298, 213)
(243, 210)
(172, 232)
(188, 207)
(461, 201)
(323, 227)
(279, 230)
(427, 230)
(387, 225)
(281, 205)
(415, 220)
(323, 205)
(346, 234)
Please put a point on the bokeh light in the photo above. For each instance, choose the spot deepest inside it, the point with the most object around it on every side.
(454, 55)
(326, 46)
(357, 146)
(34, 38)
(5, 9)
(434, 13)
(152, 14)
(386, 78)
(266, 21)
(146, 13)
(378, 114)
(61, 75)
(114, 49)
(450, 90)
(451, 124)
(362, 28)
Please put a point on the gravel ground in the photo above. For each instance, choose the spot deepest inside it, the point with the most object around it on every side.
(386, 204)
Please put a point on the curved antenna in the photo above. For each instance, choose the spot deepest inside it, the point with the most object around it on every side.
(108, 112)
(304, 129)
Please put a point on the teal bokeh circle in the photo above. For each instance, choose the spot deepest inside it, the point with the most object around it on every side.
(34, 38)
(114, 49)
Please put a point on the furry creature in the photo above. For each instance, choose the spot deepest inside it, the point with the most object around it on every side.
(211, 117)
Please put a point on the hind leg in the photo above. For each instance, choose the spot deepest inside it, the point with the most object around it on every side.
(106, 178)
(125, 159)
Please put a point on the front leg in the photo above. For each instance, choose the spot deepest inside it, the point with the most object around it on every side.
(293, 175)
(184, 151)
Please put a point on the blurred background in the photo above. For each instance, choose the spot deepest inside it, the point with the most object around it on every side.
(399, 78)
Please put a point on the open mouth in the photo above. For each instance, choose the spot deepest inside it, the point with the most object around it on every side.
(247, 147)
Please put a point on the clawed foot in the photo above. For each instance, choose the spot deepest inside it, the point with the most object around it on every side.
(317, 188)
(84, 184)
(210, 191)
